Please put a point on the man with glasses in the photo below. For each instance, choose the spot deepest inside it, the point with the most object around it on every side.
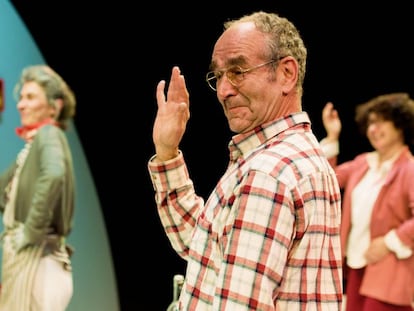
(267, 238)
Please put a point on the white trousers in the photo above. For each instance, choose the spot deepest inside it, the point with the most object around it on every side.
(32, 282)
(53, 286)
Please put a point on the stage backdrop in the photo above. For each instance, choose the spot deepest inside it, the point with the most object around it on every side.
(94, 278)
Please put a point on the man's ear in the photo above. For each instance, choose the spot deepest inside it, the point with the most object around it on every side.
(289, 68)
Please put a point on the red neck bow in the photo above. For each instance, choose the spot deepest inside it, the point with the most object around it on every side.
(27, 132)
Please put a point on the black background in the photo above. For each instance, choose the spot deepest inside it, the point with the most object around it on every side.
(114, 54)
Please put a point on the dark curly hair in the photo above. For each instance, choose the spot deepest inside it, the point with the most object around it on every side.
(395, 107)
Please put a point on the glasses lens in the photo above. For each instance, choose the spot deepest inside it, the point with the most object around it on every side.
(211, 80)
(235, 75)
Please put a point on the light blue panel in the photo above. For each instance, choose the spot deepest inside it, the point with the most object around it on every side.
(94, 277)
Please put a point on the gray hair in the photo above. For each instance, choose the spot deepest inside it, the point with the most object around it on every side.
(55, 88)
(283, 39)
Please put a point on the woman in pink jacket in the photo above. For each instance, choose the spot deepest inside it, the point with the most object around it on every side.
(377, 230)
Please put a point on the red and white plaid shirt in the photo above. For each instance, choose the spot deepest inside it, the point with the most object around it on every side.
(268, 236)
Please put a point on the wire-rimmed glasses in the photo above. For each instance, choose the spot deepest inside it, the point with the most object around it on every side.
(235, 74)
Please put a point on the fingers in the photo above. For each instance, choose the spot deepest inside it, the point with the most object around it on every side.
(174, 78)
(177, 90)
(328, 107)
(160, 93)
(329, 110)
(174, 81)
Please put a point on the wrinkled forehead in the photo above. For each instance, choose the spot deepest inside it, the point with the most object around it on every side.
(240, 44)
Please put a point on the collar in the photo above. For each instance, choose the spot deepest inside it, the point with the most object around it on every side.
(241, 144)
(27, 132)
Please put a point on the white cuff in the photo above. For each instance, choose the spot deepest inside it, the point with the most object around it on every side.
(394, 244)
(330, 148)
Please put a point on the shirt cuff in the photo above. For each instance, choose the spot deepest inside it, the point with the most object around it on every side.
(330, 148)
(170, 174)
(394, 244)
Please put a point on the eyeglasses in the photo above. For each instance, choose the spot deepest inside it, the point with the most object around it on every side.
(234, 74)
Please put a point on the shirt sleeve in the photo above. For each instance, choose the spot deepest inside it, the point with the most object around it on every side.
(177, 203)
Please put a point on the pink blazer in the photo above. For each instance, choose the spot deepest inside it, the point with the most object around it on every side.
(390, 280)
